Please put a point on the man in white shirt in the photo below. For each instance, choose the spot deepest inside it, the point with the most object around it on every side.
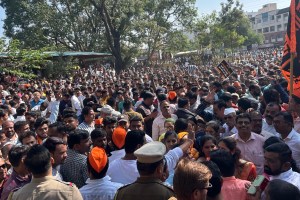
(257, 122)
(80, 97)
(229, 126)
(271, 110)
(20, 114)
(283, 123)
(76, 105)
(3, 92)
(58, 151)
(49, 99)
(254, 93)
(192, 96)
(99, 185)
(136, 123)
(294, 105)
(278, 158)
(54, 109)
(111, 103)
(158, 126)
(123, 170)
(89, 119)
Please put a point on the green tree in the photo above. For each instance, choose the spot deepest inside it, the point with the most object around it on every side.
(163, 22)
(136, 24)
(177, 41)
(120, 27)
(208, 32)
(64, 23)
(225, 31)
(28, 63)
(231, 17)
(19, 61)
(236, 25)
(61, 66)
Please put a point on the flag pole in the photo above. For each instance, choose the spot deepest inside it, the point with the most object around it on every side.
(292, 74)
(293, 48)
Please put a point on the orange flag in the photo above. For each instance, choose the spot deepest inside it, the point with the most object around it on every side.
(292, 46)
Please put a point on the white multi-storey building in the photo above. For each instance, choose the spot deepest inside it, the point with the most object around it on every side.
(272, 23)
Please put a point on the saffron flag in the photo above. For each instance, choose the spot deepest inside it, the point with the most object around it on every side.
(292, 45)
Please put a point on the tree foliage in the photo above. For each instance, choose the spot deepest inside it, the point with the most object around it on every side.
(207, 31)
(233, 18)
(120, 27)
(227, 30)
(30, 63)
(125, 27)
(179, 41)
(71, 24)
(21, 62)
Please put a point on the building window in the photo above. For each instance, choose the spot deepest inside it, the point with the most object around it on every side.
(279, 27)
(273, 38)
(258, 21)
(266, 30)
(272, 17)
(265, 17)
(286, 17)
(279, 38)
(259, 30)
(285, 25)
(272, 28)
(278, 18)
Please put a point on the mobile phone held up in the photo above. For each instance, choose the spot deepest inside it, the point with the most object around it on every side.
(261, 182)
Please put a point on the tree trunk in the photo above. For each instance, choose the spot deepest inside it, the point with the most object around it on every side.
(119, 65)
(119, 62)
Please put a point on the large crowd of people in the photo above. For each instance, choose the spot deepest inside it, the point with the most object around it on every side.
(152, 133)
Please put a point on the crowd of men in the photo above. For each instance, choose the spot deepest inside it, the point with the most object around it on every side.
(152, 133)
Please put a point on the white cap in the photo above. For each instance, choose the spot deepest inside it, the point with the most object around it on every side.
(235, 94)
(106, 110)
(228, 111)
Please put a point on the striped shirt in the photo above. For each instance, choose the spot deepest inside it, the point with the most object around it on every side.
(85, 126)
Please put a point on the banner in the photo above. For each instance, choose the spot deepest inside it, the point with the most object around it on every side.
(292, 45)
(224, 69)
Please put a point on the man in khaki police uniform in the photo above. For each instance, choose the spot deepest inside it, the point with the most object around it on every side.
(43, 185)
(150, 164)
